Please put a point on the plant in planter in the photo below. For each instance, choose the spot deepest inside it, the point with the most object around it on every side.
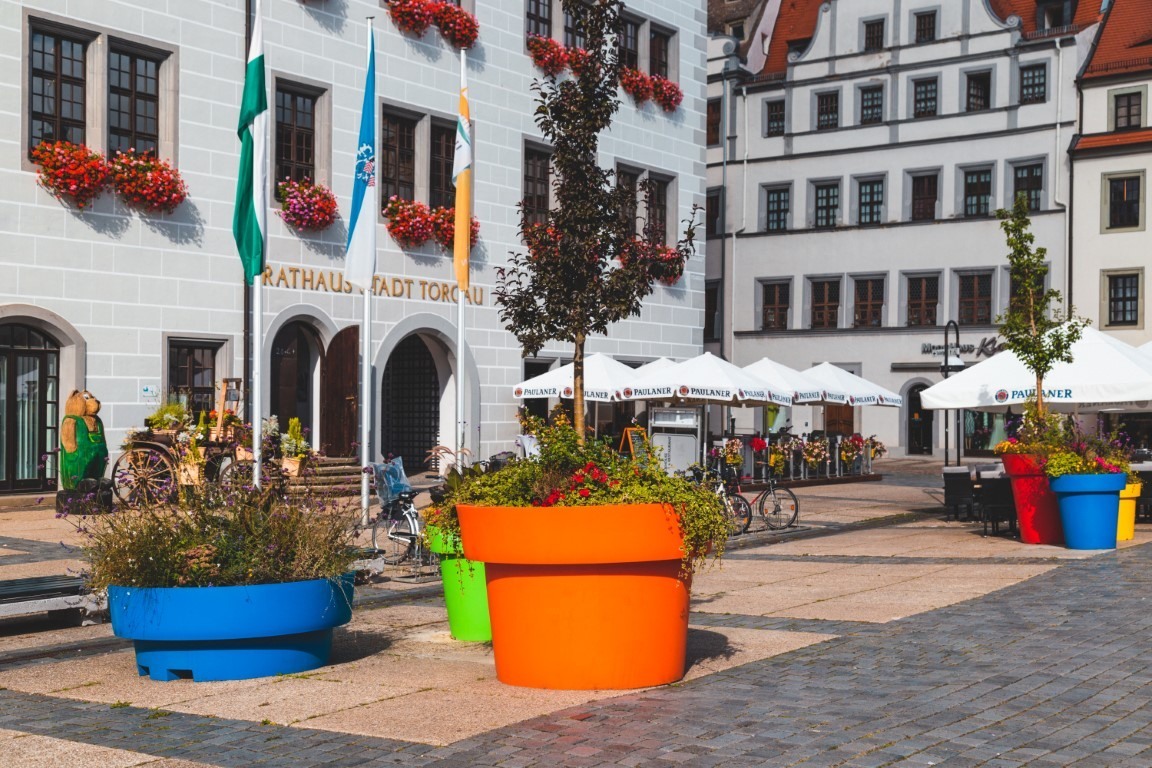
(305, 205)
(412, 16)
(225, 586)
(617, 536)
(410, 222)
(1036, 330)
(815, 452)
(585, 234)
(172, 416)
(548, 55)
(71, 171)
(295, 448)
(636, 84)
(458, 27)
(190, 467)
(851, 450)
(1036, 435)
(444, 228)
(147, 183)
(666, 93)
(1087, 475)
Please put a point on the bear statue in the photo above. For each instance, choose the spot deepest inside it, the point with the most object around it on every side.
(84, 451)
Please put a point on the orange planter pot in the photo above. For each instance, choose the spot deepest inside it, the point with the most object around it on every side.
(1036, 507)
(582, 597)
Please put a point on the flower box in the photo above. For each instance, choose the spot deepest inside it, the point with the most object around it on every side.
(231, 633)
(147, 183)
(293, 466)
(574, 609)
(305, 205)
(71, 171)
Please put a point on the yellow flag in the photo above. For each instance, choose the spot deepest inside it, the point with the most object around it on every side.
(462, 178)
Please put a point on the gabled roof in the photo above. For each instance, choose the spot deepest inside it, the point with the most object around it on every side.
(1125, 41)
(797, 21)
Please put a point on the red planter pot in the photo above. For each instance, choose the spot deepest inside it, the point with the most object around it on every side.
(1036, 507)
(582, 597)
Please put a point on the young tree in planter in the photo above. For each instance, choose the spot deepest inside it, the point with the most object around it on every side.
(585, 267)
(1034, 327)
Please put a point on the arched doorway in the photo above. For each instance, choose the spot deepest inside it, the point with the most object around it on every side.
(29, 408)
(340, 393)
(410, 414)
(919, 423)
(295, 356)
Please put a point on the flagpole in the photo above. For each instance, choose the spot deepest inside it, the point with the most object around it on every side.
(462, 240)
(257, 372)
(360, 253)
(372, 195)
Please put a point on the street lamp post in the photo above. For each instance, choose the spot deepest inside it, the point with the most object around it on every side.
(950, 365)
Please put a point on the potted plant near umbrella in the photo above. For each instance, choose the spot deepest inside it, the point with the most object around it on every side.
(228, 583)
(1087, 475)
(589, 558)
(1036, 330)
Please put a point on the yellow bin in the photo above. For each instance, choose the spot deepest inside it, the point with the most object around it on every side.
(1126, 525)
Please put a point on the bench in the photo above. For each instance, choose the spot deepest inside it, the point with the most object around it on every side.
(19, 597)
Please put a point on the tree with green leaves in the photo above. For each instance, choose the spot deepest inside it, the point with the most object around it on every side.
(1034, 327)
(587, 266)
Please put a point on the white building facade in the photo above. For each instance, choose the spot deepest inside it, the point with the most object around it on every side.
(140, 307)
(865, 158)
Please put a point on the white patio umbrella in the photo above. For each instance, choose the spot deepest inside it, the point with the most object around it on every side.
(779, 376)
(704, 379)
(1105, 374)
(859, 390)
(603, 378)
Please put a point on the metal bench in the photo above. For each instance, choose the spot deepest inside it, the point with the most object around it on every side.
(19, 597)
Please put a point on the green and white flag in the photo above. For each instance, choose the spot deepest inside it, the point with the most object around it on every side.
(250, 219)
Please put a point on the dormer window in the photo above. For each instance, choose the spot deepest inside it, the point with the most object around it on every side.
(1051, 15)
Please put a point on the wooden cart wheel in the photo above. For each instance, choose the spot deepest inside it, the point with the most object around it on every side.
(144, 476)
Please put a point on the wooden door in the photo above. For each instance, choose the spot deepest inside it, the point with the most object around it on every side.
(919, 424)
(839, 419)
(339, 393)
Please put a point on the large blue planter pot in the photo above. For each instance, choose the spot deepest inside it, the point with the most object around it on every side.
(231, 633)
(1089, 508)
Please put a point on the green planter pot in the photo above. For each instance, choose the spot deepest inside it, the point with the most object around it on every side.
(465, 589)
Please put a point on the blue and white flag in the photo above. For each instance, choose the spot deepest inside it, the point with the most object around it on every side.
(360, 253)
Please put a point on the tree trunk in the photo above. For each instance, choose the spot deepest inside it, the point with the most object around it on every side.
(1040, 395)
(578, 386)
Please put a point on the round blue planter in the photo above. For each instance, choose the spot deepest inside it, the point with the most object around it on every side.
(1089, 508)
(231, 633)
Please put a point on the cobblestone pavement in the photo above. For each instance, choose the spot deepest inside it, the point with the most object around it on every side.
(1052, 671)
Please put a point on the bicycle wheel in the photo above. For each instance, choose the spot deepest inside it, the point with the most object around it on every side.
(392, 539)
(779, 508)
(739, 514)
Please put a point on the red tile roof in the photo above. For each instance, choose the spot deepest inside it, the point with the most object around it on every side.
(1115, 139)
(797, 21)
(1125, 43)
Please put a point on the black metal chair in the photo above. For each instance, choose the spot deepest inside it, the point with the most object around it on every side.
(996, 504)
(1144, 500)
(959, 492)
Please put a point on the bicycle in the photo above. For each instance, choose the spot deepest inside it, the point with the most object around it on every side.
(398, 533)
(738, 509)
(778, 507)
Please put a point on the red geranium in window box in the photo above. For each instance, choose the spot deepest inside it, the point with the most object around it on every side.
(664, 263)
(148, 183)
(444, 228)
(412, 16)
(410, 222)
(666, 93)
(579, 60)
(636, 84)
(71, 171)
(548, 55)
(457, 26)
(305, 205)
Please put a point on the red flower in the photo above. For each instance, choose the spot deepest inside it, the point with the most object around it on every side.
(148, 183)
(70, 170)
(548, 55)
(411, 16)
(585, 493)
(666, 93)
(636, 84)
(580, 61)
(444, 228)
(410, 222)
(305, 205)
(457, 26)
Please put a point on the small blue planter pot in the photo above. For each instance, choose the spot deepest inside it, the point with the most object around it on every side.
(231, 633)
(1089, 508)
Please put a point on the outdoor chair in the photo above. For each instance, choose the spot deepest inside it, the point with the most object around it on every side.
(1144, 500)
(959, 492)
(996, 504)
